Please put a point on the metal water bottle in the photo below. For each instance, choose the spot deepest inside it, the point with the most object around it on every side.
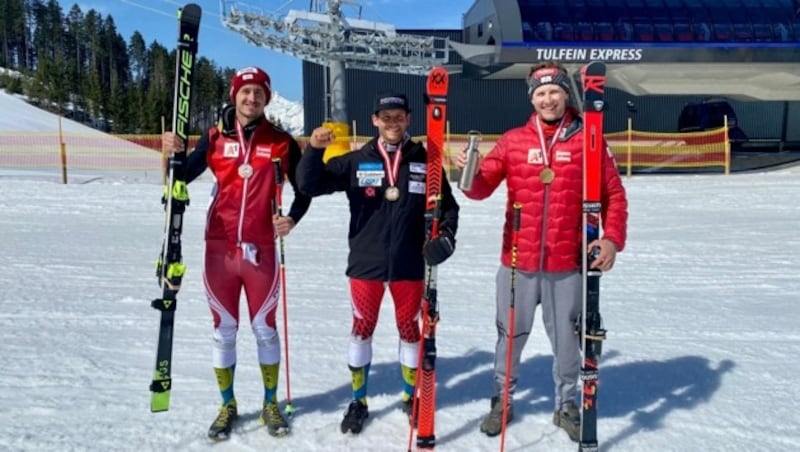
(468, 173)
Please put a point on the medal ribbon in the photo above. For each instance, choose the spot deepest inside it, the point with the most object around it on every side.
(249, 250)
(545, 146)
(240, 137)
(392, 164)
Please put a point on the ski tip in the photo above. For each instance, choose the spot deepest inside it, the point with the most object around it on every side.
(593, 79)
(437, 82)
(593, 68)
(190, 12)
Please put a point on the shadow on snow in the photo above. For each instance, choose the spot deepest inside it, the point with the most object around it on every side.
(647, 390)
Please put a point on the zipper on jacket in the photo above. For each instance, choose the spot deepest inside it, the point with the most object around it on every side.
(542, 241)
(240, 226)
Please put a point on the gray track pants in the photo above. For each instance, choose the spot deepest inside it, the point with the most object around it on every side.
(559, 294)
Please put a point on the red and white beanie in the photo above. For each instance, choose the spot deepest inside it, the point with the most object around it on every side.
(247, 76)
(550, 75)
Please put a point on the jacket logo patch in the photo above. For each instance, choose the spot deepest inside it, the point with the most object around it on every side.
(263, 151)
(416, 187)
(417, 167)
(231, 150)
(370, 174)
(370, 181)
(563, 156)
(370, 166)
(535, 156)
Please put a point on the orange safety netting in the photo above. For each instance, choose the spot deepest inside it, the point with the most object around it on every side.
(643, 151)
(669, 150)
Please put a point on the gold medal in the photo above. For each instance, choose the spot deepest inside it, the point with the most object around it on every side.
(245, 171)
(392, 193)
(547, 175)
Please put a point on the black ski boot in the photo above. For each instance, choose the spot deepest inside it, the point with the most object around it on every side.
(271, 417)
(221, 428)
(356, 416)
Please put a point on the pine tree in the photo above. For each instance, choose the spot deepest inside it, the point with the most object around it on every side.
(75, 54)
(12, 34)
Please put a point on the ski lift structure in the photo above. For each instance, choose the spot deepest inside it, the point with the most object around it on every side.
(325, 36)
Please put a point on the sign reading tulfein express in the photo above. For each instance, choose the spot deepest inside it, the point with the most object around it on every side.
(586, 54)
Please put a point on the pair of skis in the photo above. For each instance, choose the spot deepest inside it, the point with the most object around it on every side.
(170, 268)
(424, 402)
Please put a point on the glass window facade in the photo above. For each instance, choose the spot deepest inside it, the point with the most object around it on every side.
(660, 20)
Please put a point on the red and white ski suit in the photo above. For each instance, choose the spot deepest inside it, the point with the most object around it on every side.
(240, 251)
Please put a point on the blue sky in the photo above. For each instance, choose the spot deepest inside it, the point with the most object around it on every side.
(155, 20)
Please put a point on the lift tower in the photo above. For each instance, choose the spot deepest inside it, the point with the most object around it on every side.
(324, 35)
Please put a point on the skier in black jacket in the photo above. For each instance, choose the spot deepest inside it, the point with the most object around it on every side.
(385, 182)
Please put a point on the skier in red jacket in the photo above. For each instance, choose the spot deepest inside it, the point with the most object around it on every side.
(541, 163)
(241, 227)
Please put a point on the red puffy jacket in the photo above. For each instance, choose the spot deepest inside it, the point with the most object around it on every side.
(551, 217)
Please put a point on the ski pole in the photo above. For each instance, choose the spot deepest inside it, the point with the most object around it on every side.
(277, 169)
(510, 342)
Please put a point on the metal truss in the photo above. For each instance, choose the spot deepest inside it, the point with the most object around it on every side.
(327, 35)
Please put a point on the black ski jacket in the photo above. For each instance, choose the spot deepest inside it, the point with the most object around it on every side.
(385, 237)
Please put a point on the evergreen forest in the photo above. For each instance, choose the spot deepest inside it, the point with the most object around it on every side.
(76, 64)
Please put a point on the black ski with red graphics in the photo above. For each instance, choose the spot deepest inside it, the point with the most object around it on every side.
(590, 328)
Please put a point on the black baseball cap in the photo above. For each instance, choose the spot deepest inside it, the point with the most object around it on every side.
(391, 101)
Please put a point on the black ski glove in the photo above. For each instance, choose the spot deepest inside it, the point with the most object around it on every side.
(439, 249)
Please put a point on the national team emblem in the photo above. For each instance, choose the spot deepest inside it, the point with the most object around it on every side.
(535, 156)
(263, 151)
(369, 192)
(231, 150)
(563, 156)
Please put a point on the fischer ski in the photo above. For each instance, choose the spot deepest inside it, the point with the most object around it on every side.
(424, 408)
(170, 268)
(590, 328)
